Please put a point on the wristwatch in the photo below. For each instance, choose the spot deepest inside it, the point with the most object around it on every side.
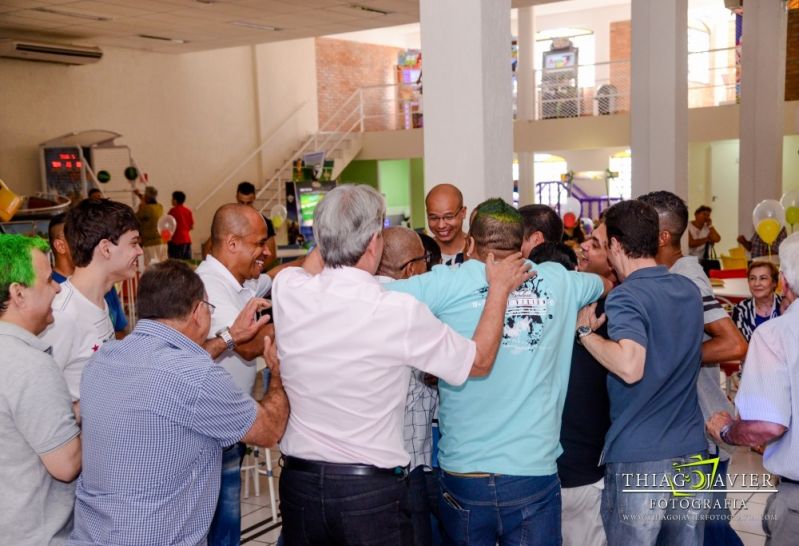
(723, 434)
(583, 331)
(224, 335)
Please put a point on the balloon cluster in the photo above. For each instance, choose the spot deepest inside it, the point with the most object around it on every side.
(770, 216)
(167, 226)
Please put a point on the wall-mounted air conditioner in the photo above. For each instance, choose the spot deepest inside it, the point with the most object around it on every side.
(48, 52)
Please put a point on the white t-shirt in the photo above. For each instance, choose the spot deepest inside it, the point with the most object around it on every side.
(345, 348)
(79, 330)
(697, 233)
(230, 297)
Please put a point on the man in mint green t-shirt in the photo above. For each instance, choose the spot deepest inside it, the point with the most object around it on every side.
(500, 433)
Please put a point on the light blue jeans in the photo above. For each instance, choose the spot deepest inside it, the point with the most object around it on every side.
(636, 517)
(226, 525)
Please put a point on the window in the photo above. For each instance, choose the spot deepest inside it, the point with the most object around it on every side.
(622, 185)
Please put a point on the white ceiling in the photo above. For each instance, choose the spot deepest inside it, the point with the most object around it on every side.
(199, 24)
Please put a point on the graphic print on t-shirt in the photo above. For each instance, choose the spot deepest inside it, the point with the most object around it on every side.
(528, 307)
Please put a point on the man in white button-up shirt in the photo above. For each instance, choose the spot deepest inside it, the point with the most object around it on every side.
(768, 403)
(235, 285)
(346, 347)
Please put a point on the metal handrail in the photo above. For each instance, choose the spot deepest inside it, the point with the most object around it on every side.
(327, 136)
(255, 152)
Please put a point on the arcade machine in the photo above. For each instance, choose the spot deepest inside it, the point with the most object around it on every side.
(559, 84)
(409, 78)
(74, 163)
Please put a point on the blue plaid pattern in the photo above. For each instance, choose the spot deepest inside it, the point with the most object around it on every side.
(156, 413)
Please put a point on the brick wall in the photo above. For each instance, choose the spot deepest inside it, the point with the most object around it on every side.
(792, 54)
(342, 67)
(621, 37)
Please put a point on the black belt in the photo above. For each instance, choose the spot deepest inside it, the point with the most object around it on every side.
(304, 465)
(788, 480)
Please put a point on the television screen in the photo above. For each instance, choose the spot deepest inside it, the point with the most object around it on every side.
(308, 202)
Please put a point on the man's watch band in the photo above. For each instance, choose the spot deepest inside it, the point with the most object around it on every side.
(225, 335)
(725, 430)
(583, 331)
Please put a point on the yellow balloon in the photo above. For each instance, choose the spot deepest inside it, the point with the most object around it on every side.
(768, 230)
(792, 215)
(277, 221)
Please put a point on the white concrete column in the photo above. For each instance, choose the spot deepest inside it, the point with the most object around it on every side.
(468, 132)
(525, 99)
(659, 101)
(762, 98)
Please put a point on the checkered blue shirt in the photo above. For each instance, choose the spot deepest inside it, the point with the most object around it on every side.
(156, 413)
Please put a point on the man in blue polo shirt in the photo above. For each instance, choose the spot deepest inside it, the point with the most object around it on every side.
(500, 433)
(654, 352)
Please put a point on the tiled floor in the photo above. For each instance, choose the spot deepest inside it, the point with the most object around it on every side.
(256, 512)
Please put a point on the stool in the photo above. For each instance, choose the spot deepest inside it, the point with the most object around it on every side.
(253, 467)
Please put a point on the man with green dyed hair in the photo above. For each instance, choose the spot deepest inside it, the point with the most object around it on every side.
(500, 433)
(41, 443)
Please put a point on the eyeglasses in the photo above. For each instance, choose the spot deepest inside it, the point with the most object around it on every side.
(427, 257)
(211, 306)
(448, 218)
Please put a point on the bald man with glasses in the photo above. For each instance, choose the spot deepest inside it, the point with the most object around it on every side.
(445, 216)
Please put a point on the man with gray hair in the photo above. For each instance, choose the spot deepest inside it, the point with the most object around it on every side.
(768, 402)
(346, 347)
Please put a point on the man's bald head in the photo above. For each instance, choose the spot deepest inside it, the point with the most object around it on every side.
(403, 253)
(445, 216)
(233, 219)
(444, 191)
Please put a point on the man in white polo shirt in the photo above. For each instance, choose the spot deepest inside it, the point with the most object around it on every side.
(235, 285)
(345, 347)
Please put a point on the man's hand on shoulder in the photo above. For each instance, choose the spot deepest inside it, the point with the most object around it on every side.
(508, 274)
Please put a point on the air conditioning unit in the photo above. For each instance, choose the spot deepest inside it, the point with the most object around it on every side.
(49, 52)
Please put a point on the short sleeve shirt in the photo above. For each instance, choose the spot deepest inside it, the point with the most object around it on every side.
(697, 233)
(711, 397)
(770, 386)
(657, 417)
(79, 330)
(35, 418)
(346, 347)
(156, 413)
(520, 435)
(229, 297)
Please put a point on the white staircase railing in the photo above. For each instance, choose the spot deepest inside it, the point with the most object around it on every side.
(333, 134)
(251, 155)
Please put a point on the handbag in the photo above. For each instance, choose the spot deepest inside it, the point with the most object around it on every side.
(709, 259)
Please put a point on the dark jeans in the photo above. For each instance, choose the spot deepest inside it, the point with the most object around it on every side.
(424, 493)
(321, 508)
(509, 510)
(717, 525)
(179, 251)
(226, 525)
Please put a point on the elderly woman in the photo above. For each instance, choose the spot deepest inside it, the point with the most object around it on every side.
(764, 303)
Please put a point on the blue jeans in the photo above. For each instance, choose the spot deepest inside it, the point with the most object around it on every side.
(653, 517)
(321, 508)
(226, 525)
(717, 526)
(520, 510)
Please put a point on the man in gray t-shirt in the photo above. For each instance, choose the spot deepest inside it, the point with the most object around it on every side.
(40, 449)
(722, 342)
